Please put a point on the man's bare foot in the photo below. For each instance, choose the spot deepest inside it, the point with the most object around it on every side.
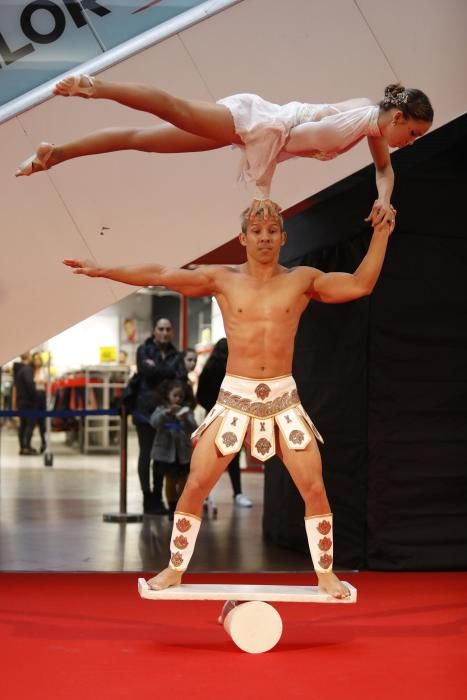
(166, 579)
(331, 584)
(75, 86)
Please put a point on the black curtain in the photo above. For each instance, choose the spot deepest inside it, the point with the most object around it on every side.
(385, 377)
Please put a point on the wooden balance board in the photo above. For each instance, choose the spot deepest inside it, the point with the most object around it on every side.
(253, 624)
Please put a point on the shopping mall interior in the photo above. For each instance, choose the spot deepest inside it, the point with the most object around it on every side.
(382, 376)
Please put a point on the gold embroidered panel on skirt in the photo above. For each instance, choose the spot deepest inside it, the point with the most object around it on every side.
(257, 408)
(262, 391)
(215, 411)
(294, 429)
(263, 440)
(307, 418)
(230, 436)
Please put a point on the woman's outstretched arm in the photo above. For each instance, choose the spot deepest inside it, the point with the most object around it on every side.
(384, 180)
(338, 132)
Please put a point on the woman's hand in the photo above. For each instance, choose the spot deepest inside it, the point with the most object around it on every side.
(381, 212)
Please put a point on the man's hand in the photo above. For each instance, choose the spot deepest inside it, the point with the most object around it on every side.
(387, 225)
(381, 212)
(83, 267)
(265, 208)
(338, 287)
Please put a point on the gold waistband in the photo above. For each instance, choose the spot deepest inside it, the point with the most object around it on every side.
(256, 408)
(258, 379)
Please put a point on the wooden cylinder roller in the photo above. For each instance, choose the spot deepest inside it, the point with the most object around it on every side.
(255, 627)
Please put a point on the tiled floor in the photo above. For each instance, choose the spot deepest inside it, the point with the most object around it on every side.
(51, 519)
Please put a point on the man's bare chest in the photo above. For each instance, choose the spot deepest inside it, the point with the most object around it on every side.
(275, 300)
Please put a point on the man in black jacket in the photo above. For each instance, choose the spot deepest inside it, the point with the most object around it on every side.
(25, 401)
(156, 359)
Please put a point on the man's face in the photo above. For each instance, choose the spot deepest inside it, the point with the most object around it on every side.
(163, 332)
(263, 239)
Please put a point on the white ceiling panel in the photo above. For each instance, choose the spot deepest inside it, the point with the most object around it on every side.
(425, 43)
(300, 50)
(175, 208)
(36, 297)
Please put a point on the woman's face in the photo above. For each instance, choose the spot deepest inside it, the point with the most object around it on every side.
(401, 132)
(190, 361)
(36, 361)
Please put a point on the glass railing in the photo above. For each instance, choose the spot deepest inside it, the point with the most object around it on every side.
(41, 39)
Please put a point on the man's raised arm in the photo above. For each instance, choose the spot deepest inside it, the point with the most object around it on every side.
(338, 287)
(197, 282)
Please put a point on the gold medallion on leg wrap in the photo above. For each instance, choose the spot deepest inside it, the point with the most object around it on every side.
(320, 540)
(182, 543)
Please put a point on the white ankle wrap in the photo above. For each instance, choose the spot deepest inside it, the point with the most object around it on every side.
(182, 543)
(320, 540)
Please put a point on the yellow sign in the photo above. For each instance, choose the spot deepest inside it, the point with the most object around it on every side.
(108, 354)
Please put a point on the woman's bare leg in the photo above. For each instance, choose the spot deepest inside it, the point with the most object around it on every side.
(159, 139)
(206, 467)
(207, 119)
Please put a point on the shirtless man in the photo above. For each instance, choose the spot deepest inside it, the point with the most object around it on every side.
(261, 303)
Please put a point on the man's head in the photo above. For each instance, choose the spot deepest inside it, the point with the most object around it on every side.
(271, 210)
(263, 233)
(163, 332)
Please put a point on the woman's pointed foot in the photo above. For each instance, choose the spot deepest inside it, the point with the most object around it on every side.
(37, 162)
(75, 86)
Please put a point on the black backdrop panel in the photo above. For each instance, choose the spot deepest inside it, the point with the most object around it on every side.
(330, 371)
(417, 407)
(385, 378)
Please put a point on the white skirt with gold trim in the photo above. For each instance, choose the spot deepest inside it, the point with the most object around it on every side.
(263, 404)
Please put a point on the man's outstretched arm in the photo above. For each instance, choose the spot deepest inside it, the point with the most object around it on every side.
(197, 282)
(338, 287)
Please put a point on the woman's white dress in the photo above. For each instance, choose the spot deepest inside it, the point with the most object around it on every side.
(321, 130)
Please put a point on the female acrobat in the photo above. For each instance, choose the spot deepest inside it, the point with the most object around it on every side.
(267, 133)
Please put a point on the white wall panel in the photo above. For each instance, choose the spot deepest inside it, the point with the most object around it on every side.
(174, 208)
(425, 42)
(141, 198)
(36, 297)
(314, 52)
(299, 50)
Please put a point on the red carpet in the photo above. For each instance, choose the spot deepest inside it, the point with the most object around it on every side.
(90, 636)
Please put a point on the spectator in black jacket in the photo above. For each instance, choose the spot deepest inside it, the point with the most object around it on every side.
(209, 383)
(25, 401)
(156, 359)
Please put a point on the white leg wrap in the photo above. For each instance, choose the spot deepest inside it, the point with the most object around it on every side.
(182, 543)
(320, 540)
